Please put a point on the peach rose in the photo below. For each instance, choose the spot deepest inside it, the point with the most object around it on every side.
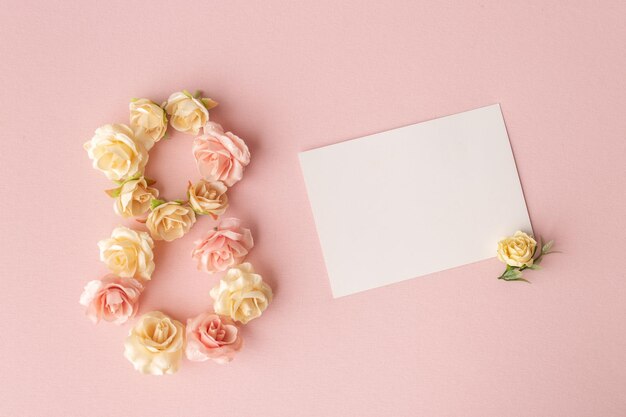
(210, 336)
(170, 220)
(133, 197)
(223, 247)
(111, 299)
(148, 121)
(241, 294)
(187, 113)
(155, 344)
(128, 253)
(208, 198)
(220, 156)
(116, 152)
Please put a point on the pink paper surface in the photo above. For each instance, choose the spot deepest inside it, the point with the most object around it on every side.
(292, 76)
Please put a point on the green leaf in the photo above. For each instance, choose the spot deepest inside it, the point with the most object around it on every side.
(187, 93)
(133, 178)
(514, 274)
(209, 103)
(125, 180)
(114, 192)
(547, 247)
(533, 267)
(510, 274)
(154, 203)
(519, 279)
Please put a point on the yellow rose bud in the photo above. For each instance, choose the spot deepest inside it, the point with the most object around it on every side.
(128, 253)
(517, 250)
(133, 197)
(116, 152)
(187, 113)
(208, 198)
(170, 221)
(148, 121)
(155, 344)
(241, 294)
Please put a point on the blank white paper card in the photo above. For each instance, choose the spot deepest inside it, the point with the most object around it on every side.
(414, 200)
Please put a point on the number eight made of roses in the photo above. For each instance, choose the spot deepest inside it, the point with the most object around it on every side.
(157, 343)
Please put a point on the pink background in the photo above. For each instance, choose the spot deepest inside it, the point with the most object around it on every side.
(291, 76)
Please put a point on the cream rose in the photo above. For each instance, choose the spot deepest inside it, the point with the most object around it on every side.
(155, 344)
(128, 253)
(133, 197)
(116, 152)
(148, 121)
(187, 113)
(517, 250)
(208, 197)
(170, 221)
(241, 294)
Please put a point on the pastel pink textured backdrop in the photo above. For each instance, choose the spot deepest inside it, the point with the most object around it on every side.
(291, 76)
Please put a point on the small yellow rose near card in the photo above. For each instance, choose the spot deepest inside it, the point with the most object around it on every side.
(520, 252)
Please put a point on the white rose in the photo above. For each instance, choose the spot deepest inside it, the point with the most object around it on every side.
(133, 197)
(208, 197)
(148, 121)
(241, 294)
(115, 151)
(169, 221)
(128, 253)
(155, 344)
(187, 113)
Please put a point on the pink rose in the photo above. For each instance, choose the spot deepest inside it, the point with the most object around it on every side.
(225, 246)
(111, 298)
(210, 336)
(220, 156)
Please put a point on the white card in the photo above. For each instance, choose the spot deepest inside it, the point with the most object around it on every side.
(414, 200)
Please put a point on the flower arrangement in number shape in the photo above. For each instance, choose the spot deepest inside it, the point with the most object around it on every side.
(156, 343)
